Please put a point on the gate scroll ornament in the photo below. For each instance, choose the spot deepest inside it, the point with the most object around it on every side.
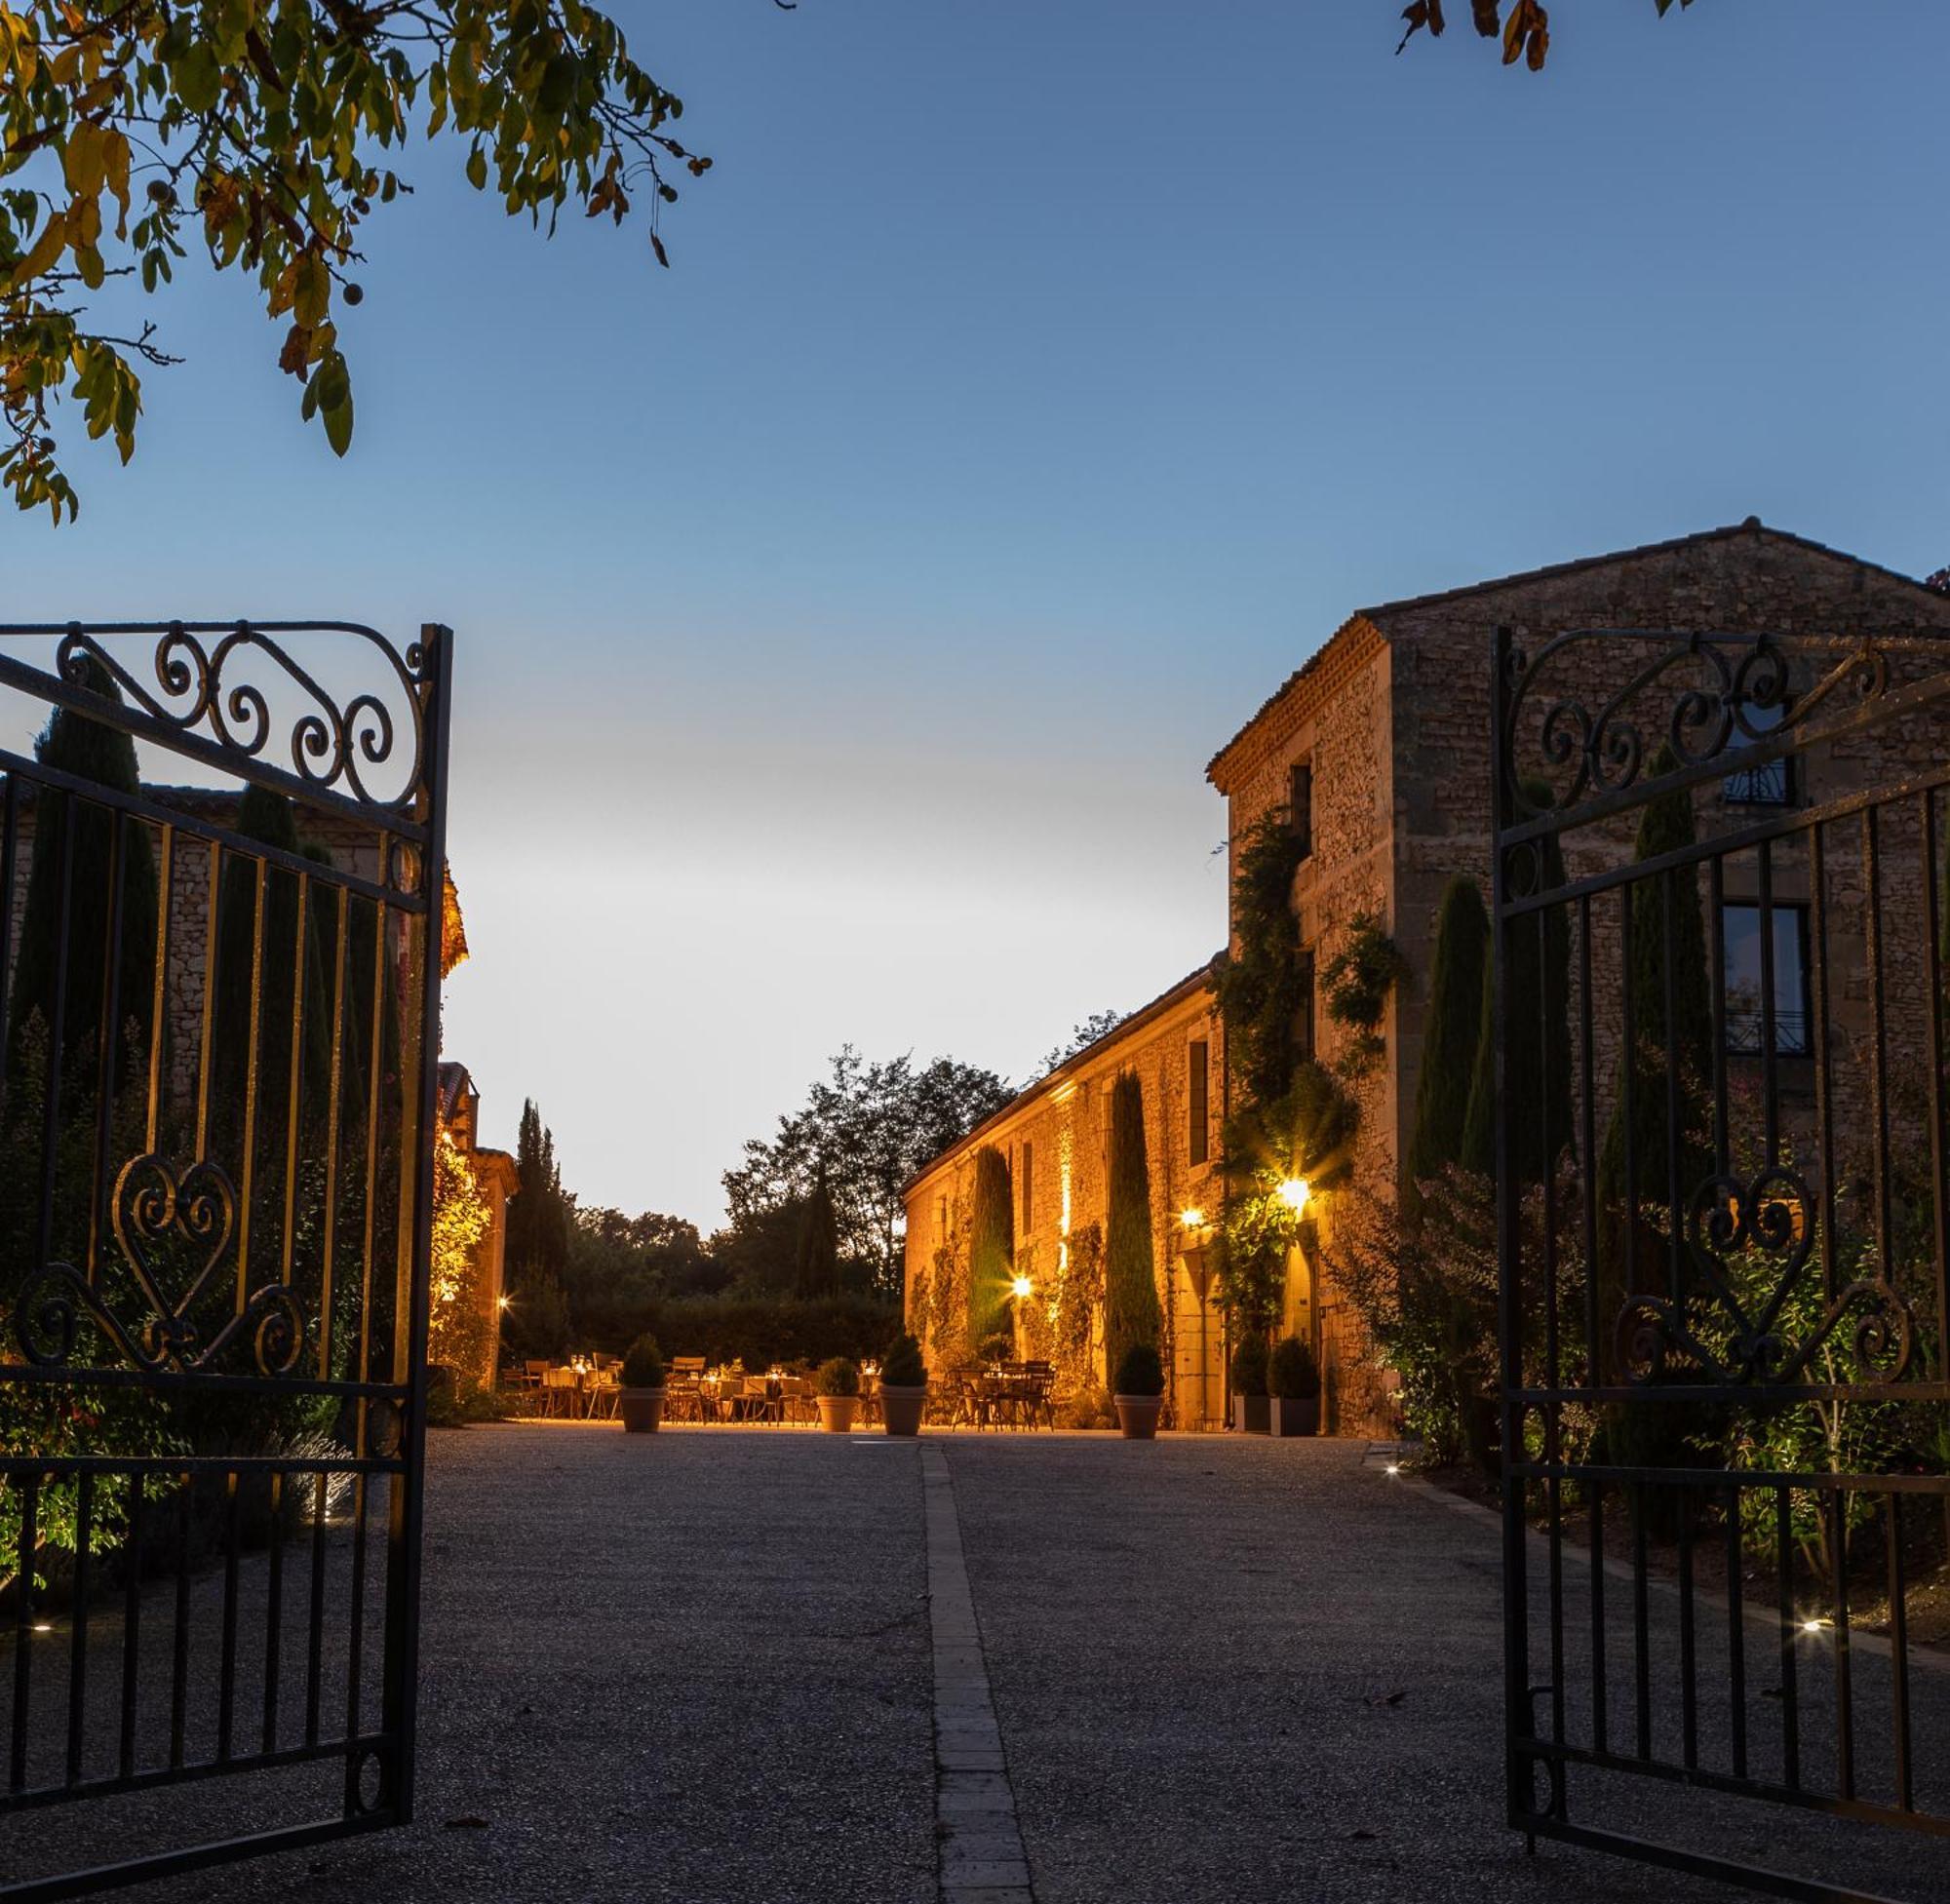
(152, 1206)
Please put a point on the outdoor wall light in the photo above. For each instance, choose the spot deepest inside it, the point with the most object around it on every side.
(500, 1301)
(1192, 1219)
(1294, 1192)
(1023, 1286)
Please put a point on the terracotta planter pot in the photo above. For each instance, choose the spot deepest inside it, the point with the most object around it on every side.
(642, 1410)
(1252, 1415)
(1138, 1416)
(902, 1408)
(1294, 1417)
(837, 1412)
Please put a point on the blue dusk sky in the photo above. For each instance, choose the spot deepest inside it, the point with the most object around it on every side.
(847, 615)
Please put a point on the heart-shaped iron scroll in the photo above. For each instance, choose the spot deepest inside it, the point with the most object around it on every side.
(162, 1222)
(1769, 1214)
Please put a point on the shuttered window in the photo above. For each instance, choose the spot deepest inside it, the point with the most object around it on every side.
(1197, 1101)
(1303, 1029)
(1028, 1186)
(1300, 804)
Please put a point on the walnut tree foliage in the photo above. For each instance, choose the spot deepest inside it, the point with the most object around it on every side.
(265, 133)
(1524, 29)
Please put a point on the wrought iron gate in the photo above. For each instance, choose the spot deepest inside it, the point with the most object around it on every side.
(219, 1019)
(1719, 932)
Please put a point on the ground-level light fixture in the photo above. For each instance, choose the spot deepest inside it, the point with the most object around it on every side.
(1294, 1192)
(500, 1301)
(1022, 1286)
(1192, 1219)
(1392, 1470)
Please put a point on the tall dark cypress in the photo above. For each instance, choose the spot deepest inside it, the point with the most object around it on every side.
(1538, 1044)
(94, 752)
(991, 1246)
(1674, 1049)
(1452, 1034)
(1131, 1312)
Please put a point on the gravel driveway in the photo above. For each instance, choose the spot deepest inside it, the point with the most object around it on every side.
(699, 1667)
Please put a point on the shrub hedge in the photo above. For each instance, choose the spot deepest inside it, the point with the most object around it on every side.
(759, 1331)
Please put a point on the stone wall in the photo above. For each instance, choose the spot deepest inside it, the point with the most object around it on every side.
(1061, 1124)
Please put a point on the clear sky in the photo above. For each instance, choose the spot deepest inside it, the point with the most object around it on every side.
(847, 615)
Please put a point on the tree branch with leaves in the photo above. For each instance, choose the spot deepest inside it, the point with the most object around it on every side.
(1525, 30)
(267, 131)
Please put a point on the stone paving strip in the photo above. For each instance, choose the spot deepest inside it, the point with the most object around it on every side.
(982, 1857)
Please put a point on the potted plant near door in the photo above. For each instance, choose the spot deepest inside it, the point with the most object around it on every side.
(1252, 1406)
(903, 1386)
(643, 1397)
(1139, 1392)
(837, 1386)
(1293, 1383)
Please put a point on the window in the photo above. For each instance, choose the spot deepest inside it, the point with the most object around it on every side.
(1770, 784)
(1300, 804)
(1303, 1027)
(1741, 936)
(941, 1219)
(1028, 1184)
(1199, 1101)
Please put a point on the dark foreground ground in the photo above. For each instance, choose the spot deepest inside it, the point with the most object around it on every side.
(698, 1667)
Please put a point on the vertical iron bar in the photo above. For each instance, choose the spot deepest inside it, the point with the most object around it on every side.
(334, 1088)
(50, 1120)
(131, 1623)
(159, 990)
(402, 1572)
(1641, 1621)
(213, 942)
(1675, 1191)
(1736, 1638)
(1790, 1690)
(1627, 1090)
(315, 1606)
(1878, 1036)
(29, 1539)
(1825, 1087)
(77, 1656)
(1594, 1364)
(295, 1083)
(1898, 1600)
(227, 1680)
(1518, 1721)
(1770, 1031)
(1689, 1680)
(355, 1650)
(108, 1043)
(10, 852)
(274, 1610)
(1716, 958)
(1845, 1714)
(1600, 1726)
(247, 1163)
(180, 1649)
(1939, 1149)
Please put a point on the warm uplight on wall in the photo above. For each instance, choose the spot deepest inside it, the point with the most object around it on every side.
(500, 1301)
(1023, 1287)
(1193, 1219)
(1294, 1193)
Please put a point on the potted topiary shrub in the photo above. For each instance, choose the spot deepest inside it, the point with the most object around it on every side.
(1139, 1392)
(903, 1386)
(837, 1386)
(1252, 1406)
(1293, 1381)
(643, 1397)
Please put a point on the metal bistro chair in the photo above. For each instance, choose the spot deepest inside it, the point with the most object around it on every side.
(764, 1399)
(603, 1388)
(559, 1384)
(1038, 1380)
(684, 1400)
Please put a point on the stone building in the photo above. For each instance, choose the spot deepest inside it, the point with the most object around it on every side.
(1055, 1139)
(1377, 748)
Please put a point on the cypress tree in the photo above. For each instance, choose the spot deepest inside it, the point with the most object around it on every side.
(816, 1256)
(1681, 1049)
(1131, 1313)
(991, 1246)
(106, 757)
(1540, 994)
(1451, 1035)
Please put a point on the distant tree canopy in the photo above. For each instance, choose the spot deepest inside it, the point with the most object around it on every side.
(866, 1129)
(264, 132)
(1522, 25)
(1088, 1031)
